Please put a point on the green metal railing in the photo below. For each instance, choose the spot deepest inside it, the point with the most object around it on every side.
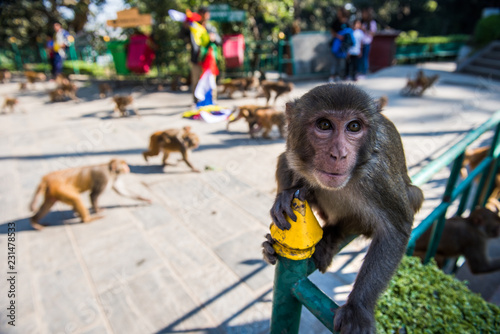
(292, 288)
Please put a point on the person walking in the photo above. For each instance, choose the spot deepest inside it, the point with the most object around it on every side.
(369, 27)
(60, 44)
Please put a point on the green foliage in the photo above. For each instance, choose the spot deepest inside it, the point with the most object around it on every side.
(487, 30)
(412, 38)
(423, 299)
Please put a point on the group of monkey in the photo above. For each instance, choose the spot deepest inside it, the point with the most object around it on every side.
(346, 159)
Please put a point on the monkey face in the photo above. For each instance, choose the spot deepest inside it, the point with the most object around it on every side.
(191, 140)
(119, 166)
(337, 140)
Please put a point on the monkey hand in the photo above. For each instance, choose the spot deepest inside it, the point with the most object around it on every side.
(283, 205)
(268, 251)
(354, 318)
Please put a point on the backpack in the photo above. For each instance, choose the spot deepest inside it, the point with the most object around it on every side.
(340, 48)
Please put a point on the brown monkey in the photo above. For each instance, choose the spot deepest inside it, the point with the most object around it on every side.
(23, 86)
(104, 90)
(69, 89)
(472, 158)
(265, 118)
(66, 186)
(280, 87)
(419, 85)
(467, 237)
(5, 75)
(243, 112)
(172, 140)
(347, 160)
(57, 95)
(241, 84)
(33, 76)
(11, 103)
(121, 103)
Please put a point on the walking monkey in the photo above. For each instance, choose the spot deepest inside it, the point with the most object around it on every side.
(66, 186)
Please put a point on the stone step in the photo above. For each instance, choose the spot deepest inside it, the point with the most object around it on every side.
(484, 71)
(492, 54)
(487, 62)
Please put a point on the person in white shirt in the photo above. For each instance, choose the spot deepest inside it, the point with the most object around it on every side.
(354, 52)
(369, 27)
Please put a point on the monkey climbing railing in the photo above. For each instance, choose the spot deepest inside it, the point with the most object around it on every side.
(292, 287)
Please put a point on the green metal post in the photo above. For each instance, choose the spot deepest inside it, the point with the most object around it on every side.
(438, 227)
(73, 57)
(316, 301)
(286, 310)
(19, 63)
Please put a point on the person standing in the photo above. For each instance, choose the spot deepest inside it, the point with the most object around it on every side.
(339, 24)
(369, 28)
(196, 46)
(354, 52)
(59, 45)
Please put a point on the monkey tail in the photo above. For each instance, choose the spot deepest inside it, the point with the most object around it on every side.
(41, 188)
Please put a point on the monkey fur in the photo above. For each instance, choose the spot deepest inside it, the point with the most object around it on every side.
(467, 237)
(241, 84)
(10, 103)
(57, 95)
(243, 112)
(417, 86)
(33, 76)
(280, 87)
(66, 186)
(265, 118)
(347, 160)
(172, 140)
(5, 75)
(121, 103)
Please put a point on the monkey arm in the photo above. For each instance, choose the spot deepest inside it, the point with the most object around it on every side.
(120, 189)
(383, 257)
(288, 184)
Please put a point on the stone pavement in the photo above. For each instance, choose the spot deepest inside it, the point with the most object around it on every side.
(191, 261)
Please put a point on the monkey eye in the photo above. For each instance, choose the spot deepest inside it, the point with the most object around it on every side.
(354, 126)
(323, 124)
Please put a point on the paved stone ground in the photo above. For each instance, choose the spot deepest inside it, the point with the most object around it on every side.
(191, 261)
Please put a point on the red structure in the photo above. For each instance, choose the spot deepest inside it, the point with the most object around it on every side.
(140, 54)
(233, 50)
(382, 50)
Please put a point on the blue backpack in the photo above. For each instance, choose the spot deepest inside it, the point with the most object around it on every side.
(340, 48)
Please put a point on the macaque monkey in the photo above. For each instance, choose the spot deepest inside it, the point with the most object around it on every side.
(104, 90)
(11, 103)
(347, 160)
(467, 237)
(5, 75)
(241, 84)
(243, 112)
(57, 95)
(66, 186)
(265, 118)
(69, 89)
(472, 158)
(417, 86)
(121, 103)
(172, 140)
(280, 87)
(33, 76)
(23, 86)
(62, 79)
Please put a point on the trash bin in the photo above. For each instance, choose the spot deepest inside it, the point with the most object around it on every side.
(233, 49)
(382, 50)
(118, 50)
(140, 54)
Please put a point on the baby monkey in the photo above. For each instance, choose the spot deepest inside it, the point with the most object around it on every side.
(173, 140)
(121, 103)
(66, 186)
(10, 103)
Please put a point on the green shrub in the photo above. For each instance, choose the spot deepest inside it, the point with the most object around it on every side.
(487, 30)
(423, 299)
(410, 38)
